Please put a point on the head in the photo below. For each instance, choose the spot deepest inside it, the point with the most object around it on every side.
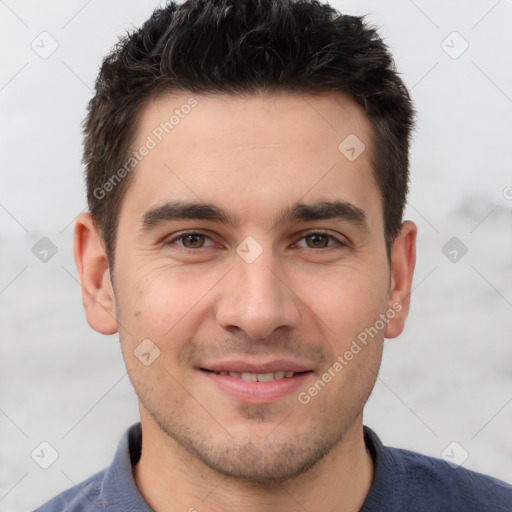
(247, 172)
(248, 47)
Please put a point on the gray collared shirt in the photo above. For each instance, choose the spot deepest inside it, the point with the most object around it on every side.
(403, 481)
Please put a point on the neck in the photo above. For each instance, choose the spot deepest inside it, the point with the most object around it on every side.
(171, 479)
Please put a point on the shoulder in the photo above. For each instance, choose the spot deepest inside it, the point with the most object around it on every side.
(406, 480)
(112, 488)
(83, 497)
(431, 482)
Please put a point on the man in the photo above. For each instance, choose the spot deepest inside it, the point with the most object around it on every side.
(247, 171)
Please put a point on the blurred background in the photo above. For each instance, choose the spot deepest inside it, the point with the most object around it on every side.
(445, 387)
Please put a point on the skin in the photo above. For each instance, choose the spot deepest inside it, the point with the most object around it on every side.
(299, 300)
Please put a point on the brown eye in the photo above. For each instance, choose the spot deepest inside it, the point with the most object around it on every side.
(190, 240)
(318, 240)
(193, 241)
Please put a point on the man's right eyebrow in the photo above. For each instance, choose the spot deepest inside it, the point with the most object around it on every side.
(178, 210)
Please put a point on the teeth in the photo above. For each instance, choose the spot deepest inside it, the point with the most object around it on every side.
(258, 377)
(265, 377)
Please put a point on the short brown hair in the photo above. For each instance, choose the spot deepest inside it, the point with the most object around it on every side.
(241, 47)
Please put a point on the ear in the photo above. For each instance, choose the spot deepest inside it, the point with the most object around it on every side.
(403, 260)
(92, 265)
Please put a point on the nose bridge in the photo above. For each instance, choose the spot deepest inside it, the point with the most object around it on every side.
(256, 300)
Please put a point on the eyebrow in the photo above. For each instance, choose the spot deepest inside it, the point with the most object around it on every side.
(297, 212)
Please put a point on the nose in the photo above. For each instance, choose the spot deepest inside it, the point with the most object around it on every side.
(257, 299)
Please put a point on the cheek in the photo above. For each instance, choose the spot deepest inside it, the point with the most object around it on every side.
(347, 299)
(162, 304)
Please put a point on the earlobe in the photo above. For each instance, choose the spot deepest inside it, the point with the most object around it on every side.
(403, 261)
(92, 265)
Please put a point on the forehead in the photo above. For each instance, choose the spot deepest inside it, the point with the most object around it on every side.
(229, 120)
(253, 153)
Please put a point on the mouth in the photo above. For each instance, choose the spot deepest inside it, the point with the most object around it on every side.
(257, 384)
(258, 377)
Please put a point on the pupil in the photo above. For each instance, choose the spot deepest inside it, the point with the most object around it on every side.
(317, 240)
(191, 238)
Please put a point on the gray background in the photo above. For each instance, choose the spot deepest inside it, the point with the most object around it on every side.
(447, 378)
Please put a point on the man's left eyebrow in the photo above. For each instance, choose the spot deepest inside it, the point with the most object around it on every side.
(325, 210)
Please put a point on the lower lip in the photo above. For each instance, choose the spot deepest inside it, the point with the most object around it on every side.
(258, 392)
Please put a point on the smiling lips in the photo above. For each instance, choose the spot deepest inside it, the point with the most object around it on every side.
(257, 383)
(258, 377)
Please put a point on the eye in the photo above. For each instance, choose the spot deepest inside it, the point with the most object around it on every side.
(190, 240)
(195, 240)
(320, 240)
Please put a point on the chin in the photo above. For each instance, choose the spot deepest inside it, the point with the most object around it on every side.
(262, 462)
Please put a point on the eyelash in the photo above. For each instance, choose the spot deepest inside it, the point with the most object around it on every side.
(184, 234)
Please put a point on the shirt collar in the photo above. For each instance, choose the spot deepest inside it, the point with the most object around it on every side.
(386, 466)
(118, 491)
(120, 494)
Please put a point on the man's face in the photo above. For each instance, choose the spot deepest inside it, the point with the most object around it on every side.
(261, 297)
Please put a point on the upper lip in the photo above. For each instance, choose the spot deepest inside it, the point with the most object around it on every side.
(256, 367)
